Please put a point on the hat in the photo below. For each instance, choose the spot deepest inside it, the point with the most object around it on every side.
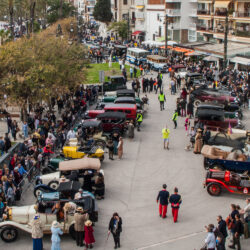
(88, 223)
(55, 224)
(79, 209)
(80, 190)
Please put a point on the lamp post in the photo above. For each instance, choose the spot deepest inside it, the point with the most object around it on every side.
(166, 35)
(225, 41)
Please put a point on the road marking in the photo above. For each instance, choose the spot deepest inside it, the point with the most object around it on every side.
(169, 241)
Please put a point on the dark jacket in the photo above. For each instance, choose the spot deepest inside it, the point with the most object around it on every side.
(238, 228)
(222, 227)
(163, 197)
(111, 225)
(175, 200)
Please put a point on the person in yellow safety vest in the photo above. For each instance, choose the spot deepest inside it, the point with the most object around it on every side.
(165, 135)
(174, 119)
(162, 99)
(139, 120)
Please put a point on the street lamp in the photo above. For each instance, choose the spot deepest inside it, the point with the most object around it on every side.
(166, 35)
(225, 41)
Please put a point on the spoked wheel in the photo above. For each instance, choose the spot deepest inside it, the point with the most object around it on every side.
(9, 234)
(54, 184)
(197, 103)
(214, 189)
(37, 193)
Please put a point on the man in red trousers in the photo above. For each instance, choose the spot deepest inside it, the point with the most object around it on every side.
(175, 200)
(163, 204)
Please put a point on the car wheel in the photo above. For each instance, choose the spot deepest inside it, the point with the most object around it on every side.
(217, 167)
(72, 231)
(37, 192)
(53, 184)
(214, 189)
(9, 234)
(197, 103)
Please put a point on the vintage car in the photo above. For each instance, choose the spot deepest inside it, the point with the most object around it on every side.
(217, 180)
(157, 63)
(65, 189)
(68, 168)
(107, 99)
(206, 95)
(125, 99)
(113, 83)
(235, 140)
(215, 120)
(53, 164)
(113, 122)
(218, 106)
(19, 218)
(215, 158)
(193, 78)
(125, 92)
(92, 113)
(179, 70)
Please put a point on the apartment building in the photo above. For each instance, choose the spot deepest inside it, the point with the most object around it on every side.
(120, 9)
(212, 19)
(86, 9)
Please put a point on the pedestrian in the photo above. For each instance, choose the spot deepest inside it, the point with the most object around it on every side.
(2, 146)
(131, 129)
(198, 142)
(55, 237)
(139, 118)
(14, 129)
(206, 135)
(172, 86)
(7, 143)
(89, 236)
(10, 195)
(210, 239)
(80, 219)
(25, 130)
(135, 72)
(238, 231)
(115, 139)
(110, 146)
(99, 187)
(120, 148)
(183, 105)
(220, 242)
(175, 200)
(190, 109)
(131, 72)
(9, 123)
(165, 135)
(37, 232)
(115, 227)
(162, 198)
(222, 227)
(246, 214)
(174, 119)
(161, 99)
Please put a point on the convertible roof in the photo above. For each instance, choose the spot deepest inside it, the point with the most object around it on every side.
(91, 123)
(125, 98)
(118, 115)
(125, 91)
(210, 105)
(210, 112)
(69, 186)
(84, 163)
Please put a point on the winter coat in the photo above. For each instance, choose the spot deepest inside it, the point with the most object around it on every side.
(198, 143)
(80, 220)
(89, 236)
(36, 229)
(55, 238)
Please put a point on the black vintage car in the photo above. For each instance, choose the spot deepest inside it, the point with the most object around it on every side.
(114, 83)
(125, 93)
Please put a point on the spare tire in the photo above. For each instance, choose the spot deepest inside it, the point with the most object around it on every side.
(53, 184)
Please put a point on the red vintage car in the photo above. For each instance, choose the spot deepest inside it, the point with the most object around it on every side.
(234, 183)
(92, 114)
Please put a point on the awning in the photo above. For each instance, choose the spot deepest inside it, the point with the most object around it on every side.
(211, 59)
(204, 1)
(241, 60)
(140, 7)
(192, 53)
(136, 33)
(221, 4)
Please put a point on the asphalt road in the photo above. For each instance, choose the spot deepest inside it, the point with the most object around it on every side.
(132, 185)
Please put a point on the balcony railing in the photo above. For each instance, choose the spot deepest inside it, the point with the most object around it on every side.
(203, 28)
(220, 13)
(241, 14)
(203, 12)
(242, 33)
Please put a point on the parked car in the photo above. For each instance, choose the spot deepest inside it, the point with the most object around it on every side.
(113, 83)
(125, 92)
(18, 218)
(179, 70)
(215, 158)
(78, 166)
(194, 78)
(216, 180)
(215, 120)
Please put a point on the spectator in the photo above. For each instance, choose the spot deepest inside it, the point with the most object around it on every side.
(55, 238)
(25, 130)
(37, 232)
(7, 143)
(2, 146)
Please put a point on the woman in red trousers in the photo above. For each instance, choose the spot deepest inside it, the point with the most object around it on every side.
(89, 236)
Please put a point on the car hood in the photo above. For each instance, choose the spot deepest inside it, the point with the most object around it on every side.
(23, 214)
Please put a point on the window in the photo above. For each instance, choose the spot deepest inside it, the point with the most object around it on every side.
(125, 2)
(159, 31)
(158, 17)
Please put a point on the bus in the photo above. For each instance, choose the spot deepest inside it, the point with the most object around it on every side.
(137, 56)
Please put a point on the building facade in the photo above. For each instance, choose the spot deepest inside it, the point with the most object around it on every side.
(212, 20)
(86, 8)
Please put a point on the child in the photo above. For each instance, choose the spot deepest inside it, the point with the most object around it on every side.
(110, 146)
(187, 123)
(89, 236)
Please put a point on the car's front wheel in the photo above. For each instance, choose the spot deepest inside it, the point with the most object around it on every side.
(197, 103)
(214, 189)
(37, 192)
(9, 234)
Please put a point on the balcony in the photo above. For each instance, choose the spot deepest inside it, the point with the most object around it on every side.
(242, 33)
(173, 12)
(241, 14)
(204, 12)
(203, 29)
(220, 13)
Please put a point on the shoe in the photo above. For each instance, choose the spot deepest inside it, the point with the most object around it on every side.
(233, 247)
(160, 215)
(115, 247)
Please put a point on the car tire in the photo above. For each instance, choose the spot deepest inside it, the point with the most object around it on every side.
(197, 103)
(217, 167)
(72, 231)
(53, 184)
(37, 192)
(214, 189)
(9, 231)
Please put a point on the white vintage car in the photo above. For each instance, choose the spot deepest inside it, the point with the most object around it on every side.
(18, 218)
(53, 179)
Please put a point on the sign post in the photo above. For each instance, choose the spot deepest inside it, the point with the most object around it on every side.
(101, 78)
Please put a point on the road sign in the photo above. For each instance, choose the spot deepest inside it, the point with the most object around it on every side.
(101, 76)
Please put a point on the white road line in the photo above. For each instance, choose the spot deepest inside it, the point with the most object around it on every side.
(169, 241)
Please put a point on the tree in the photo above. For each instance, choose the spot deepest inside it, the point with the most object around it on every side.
(102, 11)
(44, 66)
(121, 28)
